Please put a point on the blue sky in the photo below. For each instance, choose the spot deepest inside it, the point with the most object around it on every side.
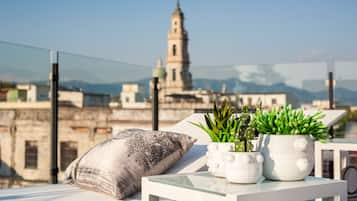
(221, 32)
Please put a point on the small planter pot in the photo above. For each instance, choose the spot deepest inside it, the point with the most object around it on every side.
(215, 157)
(244, 167)
(287, 157)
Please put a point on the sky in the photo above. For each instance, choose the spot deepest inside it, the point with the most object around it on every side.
(221, 32)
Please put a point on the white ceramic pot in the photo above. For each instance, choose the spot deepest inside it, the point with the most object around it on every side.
(215, 157)
(287, 157)
(244, 167)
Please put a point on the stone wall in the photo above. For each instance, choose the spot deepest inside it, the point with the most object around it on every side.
(86, 127)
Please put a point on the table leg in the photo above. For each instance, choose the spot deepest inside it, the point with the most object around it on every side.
(318, 160)
(337, 164)
(343, 195)
(147, 197)
(337, 172)
(146, 189)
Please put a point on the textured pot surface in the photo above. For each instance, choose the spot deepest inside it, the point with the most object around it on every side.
(215, 157)
(244, 167)
(287, 157)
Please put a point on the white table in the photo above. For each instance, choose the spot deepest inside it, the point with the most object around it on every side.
(204, 187)
(340, 148)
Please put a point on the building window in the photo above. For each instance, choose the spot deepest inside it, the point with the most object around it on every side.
(274, 101)
(259, 102)
(173, 74)
(241, 101)
(127, 99)
(31, 154)
(103, 130)
(69, 152)
(175, 30)
(174, 50)
(80, 129)
(250, 101)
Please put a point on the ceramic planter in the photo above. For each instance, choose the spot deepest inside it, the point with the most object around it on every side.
(244, 167)
(287, 157)
(215, 157)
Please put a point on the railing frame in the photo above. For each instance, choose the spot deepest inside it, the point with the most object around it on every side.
(155, 104)
(54, 122)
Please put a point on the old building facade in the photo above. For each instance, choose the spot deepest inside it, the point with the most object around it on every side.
(78, 98)
(267, 100)
(25, 137)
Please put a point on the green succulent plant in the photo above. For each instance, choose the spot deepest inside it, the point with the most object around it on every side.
(245, 133)
(287, 121)
(223, 126)
(219, 126)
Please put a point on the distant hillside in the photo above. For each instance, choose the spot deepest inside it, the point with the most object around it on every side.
(233, 85)
(113, 89)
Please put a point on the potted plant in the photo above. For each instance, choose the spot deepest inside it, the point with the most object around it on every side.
(243, 165)
(287, 142)
(221, 128)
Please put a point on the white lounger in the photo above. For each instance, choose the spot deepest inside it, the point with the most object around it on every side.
(193, 161)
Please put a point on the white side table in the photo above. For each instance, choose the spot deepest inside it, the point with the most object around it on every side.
(337, 145)
(340, 147)
(204, 187)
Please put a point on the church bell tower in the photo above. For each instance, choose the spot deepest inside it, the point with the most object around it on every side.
(178, 76)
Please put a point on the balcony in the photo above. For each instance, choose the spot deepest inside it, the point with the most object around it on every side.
(98, 97)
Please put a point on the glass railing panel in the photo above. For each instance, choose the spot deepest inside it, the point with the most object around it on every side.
(345, 88)
(21, 63)
(24, 115)
(97, 98)
(345, 77)
(304, 81)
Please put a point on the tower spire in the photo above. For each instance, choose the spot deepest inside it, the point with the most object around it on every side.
(178, 10)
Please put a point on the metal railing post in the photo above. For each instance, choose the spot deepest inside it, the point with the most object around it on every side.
(331, 98)
(54, 123)
(330, 90)
(155, 105)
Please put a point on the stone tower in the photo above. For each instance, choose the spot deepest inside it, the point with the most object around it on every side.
(178, 76)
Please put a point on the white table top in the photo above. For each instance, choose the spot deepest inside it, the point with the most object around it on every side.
(204, 182)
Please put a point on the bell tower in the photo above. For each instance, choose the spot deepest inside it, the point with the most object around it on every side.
(178, 76)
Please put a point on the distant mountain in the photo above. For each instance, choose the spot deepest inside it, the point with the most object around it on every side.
(112, 89)
(109, 88)
(342, 95)
(233, 85)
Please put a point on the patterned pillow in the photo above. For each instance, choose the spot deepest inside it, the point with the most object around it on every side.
(116, 165)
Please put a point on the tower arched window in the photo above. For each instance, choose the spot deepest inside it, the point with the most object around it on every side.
(174, 50)
(173, 74)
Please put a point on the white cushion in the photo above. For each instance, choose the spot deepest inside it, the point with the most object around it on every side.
(330, 118)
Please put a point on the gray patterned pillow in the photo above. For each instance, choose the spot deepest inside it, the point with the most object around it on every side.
(116, 165)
